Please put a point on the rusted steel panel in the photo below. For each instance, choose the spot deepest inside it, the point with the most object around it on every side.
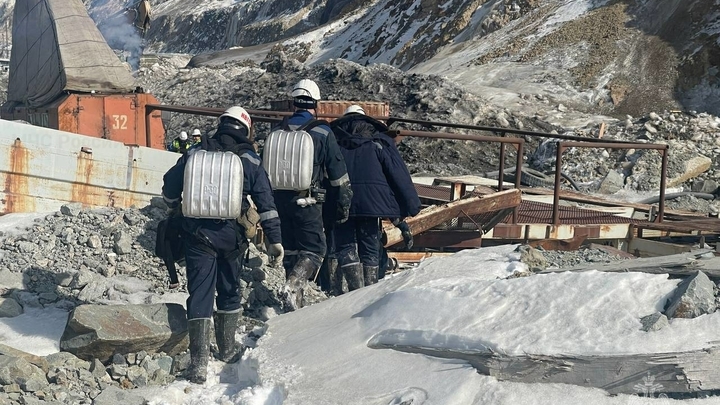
(120, 119)
(438, 193)
(448, 239)
(508, 231)
(157, 130)
(46, 168)
(337, 107)
(538, 213)
(89, 115)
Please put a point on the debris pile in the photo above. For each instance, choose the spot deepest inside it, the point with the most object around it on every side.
(106, 256)
(692, 138)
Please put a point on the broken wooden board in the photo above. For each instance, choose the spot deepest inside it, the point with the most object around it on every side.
(416, 257)
(612, 250)
(683, 264)
(435, 215)
(565, 245)
(644, 374)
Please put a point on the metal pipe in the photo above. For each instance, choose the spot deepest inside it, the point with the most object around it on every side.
(148, 135)
(460, 137)
(518, 175)
(390, 120)
(501, 176)
(663, 183)
(556, 190)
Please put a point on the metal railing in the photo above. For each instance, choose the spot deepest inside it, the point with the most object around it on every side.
(569, 141)
(562, 146)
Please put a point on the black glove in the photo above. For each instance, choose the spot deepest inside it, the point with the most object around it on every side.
(344, 200)
(406, 233)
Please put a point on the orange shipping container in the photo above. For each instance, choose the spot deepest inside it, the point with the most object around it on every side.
(337, 107)
(117, 117)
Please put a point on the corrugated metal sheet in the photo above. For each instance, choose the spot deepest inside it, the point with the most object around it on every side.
(43, 168)
(532, 212)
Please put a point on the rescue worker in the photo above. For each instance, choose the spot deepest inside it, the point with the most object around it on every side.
(302, 226)
(382, 188)
(196, 136)
(214, 248)
(180, 144)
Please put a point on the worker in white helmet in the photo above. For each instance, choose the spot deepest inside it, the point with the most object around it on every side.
(304, 239)
(215, 248)
(196, 136)
(180, 144)
(382, 188)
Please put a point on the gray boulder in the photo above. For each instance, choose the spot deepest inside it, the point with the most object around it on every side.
(99, 331)
(16, 370)
(692, 298)
(116, 396)
(612, 183)
(9, 308)
(654, 322)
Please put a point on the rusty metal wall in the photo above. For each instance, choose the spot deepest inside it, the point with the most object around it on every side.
(118, 117)
(41, 169)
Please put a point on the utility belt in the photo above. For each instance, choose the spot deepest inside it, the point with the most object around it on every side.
(315, 195)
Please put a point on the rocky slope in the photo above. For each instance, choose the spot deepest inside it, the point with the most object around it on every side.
(613, 57)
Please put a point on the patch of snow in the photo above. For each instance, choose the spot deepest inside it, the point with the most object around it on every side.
(567, 10)
(333, 352)
(36, 331)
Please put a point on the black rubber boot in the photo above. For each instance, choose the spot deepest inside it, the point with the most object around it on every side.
(296, 281)
(353, 275)
(336, 277)
(226, 324)
(371, 274)
(198, 333)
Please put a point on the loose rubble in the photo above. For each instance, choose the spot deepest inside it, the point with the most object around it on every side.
(102, 262)
(693, 138)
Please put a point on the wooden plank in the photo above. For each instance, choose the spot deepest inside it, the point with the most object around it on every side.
(436, 239)
(650, 248)
(584, 198)
(435, 215)
(683, 264)
(416, 257)
(611, 250)
(668, 373)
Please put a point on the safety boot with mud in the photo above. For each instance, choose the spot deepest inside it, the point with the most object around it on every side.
(226, 324)
(371, 274)
(292, 293)
(198, 334)
(354, 276)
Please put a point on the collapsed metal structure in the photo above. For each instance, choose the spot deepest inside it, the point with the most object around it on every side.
(534, 217)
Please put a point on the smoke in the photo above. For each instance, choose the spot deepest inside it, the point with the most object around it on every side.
(115, 22)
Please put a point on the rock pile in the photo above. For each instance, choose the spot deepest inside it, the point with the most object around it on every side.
(693, 138)
(106, 256)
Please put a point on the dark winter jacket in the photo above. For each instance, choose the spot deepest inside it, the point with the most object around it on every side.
(382, 186)
(255, 183)
(329, 169)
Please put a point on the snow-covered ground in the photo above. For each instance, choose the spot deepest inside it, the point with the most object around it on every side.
(332, 352)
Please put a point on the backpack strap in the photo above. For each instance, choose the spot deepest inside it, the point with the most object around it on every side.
(312, 124)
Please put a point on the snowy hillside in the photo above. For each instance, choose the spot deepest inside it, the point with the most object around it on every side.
(600, 56)
(624, 57)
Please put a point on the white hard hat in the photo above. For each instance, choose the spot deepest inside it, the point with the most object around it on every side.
(354, 109)
(196, 132)
(239, 114)
(183, 136)
(306, 88)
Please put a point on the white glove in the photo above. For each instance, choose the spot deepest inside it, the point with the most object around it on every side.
(275, 250)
